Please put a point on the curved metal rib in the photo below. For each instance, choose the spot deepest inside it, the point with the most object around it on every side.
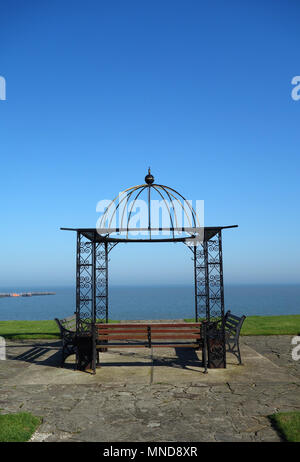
(176, 198)
(166, 206)
(109, 205)
(191, 208)
(173, 209)
(128, 219)
(126, 197)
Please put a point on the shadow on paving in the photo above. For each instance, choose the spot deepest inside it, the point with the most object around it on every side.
(51, 355)
(183, 360)
(35, 354)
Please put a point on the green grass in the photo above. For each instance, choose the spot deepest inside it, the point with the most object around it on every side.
(269, 325)
(18, 427)
(30, 329)
(288, 425)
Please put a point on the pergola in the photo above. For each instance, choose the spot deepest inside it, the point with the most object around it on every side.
(95, 244)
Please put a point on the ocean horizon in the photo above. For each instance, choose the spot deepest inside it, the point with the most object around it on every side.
(152, 302)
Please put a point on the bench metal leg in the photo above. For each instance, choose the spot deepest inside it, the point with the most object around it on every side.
(239, 355)
(204, 350)
(62, 362)
(235, 350)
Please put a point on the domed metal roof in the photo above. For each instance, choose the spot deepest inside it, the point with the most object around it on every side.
(169, 198)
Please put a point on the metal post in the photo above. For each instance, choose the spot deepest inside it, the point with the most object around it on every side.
(196, 284)
(222, 294)
(215, 331)
(93, 313)
(77, 312)
(106, 282)
(78, 281)
(205, 250)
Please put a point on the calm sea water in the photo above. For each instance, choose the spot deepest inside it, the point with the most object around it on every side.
(152, 302)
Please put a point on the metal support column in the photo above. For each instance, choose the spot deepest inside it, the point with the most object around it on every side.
(201, 281)
(216, 334)
(195, 284)
(84, 285)
(84, 303)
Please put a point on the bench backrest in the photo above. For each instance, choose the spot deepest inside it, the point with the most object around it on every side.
(68, 323)
(233, 323)
(152, 333)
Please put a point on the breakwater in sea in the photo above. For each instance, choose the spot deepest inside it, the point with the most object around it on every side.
(25, 294)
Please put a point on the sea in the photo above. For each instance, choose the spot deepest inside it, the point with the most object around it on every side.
(151, 302)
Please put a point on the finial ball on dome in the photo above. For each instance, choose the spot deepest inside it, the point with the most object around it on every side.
(149, 178)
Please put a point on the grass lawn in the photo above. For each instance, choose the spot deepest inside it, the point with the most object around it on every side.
(272, 325)
(18, 427)
(30, 329)
(269, 325)
(288, 425)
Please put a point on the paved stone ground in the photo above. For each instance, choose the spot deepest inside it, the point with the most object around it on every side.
(152, 395)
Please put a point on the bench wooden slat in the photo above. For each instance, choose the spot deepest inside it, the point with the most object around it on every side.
(123, 337)
(138, 325)
(153, 345)
(123, 331)
(230, 323)
(229, 319)
(179, 335)
(144, 331)
(121, 345)
(181, 329)
(236, 318)
(176, 345)
(153, 336)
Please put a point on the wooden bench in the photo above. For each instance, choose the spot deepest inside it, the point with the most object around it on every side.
(67, 328)
(152, 335)
(233, 325)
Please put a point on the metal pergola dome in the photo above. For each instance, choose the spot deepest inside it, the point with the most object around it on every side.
(182, 220)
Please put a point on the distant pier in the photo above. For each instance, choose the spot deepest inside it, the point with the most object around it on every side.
(26, 294)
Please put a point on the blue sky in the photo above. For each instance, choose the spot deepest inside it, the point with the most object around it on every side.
(201, 91)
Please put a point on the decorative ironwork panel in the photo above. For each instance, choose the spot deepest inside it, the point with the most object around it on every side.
(101, 282)
(84, 283)
(215, 278)
(201, 278)
(91, 282)
(215, 346)
(216, 335)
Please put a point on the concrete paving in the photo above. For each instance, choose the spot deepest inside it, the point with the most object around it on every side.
(152, 394)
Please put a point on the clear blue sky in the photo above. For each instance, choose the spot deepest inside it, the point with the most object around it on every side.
(99, 90)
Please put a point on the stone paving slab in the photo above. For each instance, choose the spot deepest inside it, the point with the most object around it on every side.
(159, 395)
